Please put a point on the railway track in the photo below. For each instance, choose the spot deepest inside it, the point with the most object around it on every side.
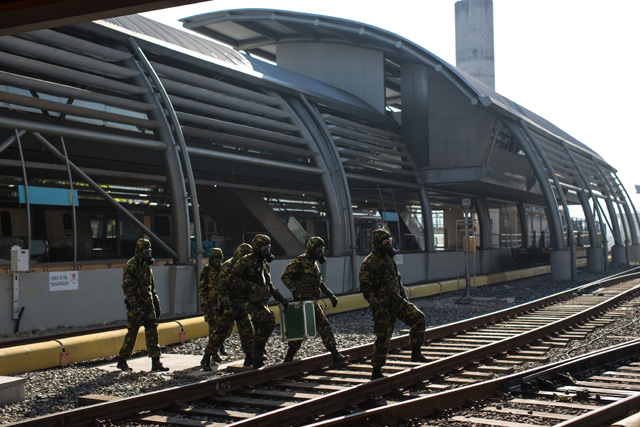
(589, 390)
(311, 390)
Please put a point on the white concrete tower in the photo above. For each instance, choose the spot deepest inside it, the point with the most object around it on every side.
(474, 39)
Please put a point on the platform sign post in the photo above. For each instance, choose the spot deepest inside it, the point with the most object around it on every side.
(19, 262)
(466, 298)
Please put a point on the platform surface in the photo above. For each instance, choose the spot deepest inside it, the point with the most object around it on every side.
(175, 362)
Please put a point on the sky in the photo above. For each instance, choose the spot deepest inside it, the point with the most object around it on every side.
(573, 62)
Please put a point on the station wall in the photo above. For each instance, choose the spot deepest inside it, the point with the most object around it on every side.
(98, 298)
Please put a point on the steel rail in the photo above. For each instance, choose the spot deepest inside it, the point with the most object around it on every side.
(427, 405)
(132, 406)
(330, 403)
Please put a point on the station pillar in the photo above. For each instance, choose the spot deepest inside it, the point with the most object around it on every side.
(618, 254)
(595, 260)
(634, 253)
(563, 263)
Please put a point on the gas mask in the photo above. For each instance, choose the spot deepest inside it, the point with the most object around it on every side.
(147, 258)
(388, 250)
(267, 255)
(319, 256)
(216, 263)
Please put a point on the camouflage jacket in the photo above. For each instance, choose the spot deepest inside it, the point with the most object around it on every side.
(303, 278)
(252, 276)
(207, 289)
(223, 286)
(138, 285)
(380, 281)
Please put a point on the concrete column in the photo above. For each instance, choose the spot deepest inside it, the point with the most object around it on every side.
(595, 259)
(618, 254)
(563, 263)
(474, 39)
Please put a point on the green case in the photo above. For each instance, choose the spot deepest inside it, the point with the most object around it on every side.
(298, 322)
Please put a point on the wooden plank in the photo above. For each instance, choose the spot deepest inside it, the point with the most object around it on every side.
(250, 401)
(555, 404)
(489, 422)
(555, 343)
(437, 387)
(215, 412)
(513, 411)
(457, 380)
(91, 399)
(161, 419)
(609, 385)
(282, 394)
(503, 370)
(337, 380)
(476, 374)
(313, 386)
(523, 358)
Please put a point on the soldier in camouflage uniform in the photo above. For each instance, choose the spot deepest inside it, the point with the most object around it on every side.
(252, 274)
(143, 306)
(209, 300)
(382, 287)
(232, 310)
(303, 278)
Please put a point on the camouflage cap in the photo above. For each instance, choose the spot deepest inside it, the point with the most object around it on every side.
(378, 236)
(314, 243)
(242, 250)
(142, 244)
(259, 241)
(215, 253)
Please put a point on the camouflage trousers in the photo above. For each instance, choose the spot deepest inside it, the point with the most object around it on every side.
(263, 321)
(224, 326)
(135, 319)
(384, 320)
(322, 327)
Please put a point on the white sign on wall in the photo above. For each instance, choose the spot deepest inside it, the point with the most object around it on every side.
(63, 281)
(399, 259)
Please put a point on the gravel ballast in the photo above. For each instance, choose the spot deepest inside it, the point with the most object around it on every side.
(58, 389)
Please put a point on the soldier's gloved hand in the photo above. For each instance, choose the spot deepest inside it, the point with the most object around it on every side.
(334, 300)
(158, 311)
(285, 304)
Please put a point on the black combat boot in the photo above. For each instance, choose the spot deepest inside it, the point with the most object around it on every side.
(222, 350)
(205, 363)
(215, 358)
(290, 354)
(338, 358)
(416, 355)
(258, 355)
(122, 364)
(157, 366)
(376, 373)
(248, 359)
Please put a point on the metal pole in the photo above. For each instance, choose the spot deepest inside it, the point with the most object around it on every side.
(466, 252)
(154, 237)
(466, 298)
(26, 189)
(73, 207)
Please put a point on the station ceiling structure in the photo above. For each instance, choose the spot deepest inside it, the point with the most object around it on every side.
(142, 107)
(20, 16)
